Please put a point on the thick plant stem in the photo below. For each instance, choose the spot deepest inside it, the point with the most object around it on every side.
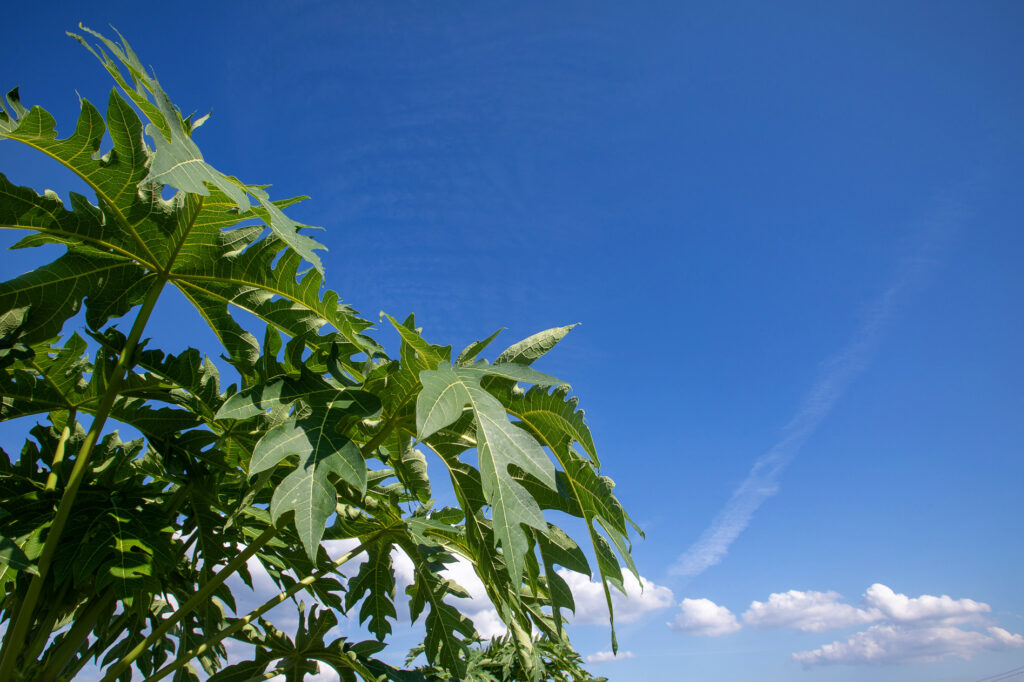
(58, 454)
(95, 649)
(187, 656)
(198, 598)
(78, 634)
(35, 645)
(13, 641)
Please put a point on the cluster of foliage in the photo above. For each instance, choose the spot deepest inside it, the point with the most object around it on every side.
(116, 552)
(501, 659)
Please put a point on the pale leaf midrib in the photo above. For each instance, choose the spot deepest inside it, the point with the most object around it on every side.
(108, 202)
(181, 280)
(82, 238)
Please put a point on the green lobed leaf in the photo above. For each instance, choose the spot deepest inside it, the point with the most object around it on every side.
(444, 623)
(376, 582)
(204, 248)
(264, 280)
(55, 378)
(177, 160)
(446, 392)
(307, 490)
(131, 216)
(54, 292)
(552, 416)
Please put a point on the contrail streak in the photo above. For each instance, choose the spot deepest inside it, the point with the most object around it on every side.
(835, 377)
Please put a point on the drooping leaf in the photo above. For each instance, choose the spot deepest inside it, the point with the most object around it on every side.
(444, 623)
(553, 416)
(446, 392)
(556, 547)
(581, 490)
(376, 582)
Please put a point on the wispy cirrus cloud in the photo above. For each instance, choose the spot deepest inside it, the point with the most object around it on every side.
(836, 375)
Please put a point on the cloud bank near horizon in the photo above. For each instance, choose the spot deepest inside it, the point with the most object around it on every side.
(901, 629)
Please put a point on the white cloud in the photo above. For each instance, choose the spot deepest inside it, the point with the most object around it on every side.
(607, 656)
(704, 617)
(325, 674)
(903, 644)
(405, 571)
(906, 629)
(902, 609)
(812, 611)
(592, 608)
(807, 611)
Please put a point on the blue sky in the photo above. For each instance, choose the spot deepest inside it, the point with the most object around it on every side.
(791, 234)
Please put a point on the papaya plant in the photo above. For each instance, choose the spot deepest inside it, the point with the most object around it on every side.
(116, 553)
(501, 659)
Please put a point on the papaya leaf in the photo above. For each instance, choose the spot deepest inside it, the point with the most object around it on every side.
(444, 623)
(54, 292)
(553, 416)
(14, 556)
(375, 581)
(418, 355)
(130, 227)
(446, 392)
(533, 347)
(307, 490)
(264, 280)
(312, 435)
(470, 352)
(177, 160)
(133, 538)
(245, 671)
(556, 547)
(410, 466)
